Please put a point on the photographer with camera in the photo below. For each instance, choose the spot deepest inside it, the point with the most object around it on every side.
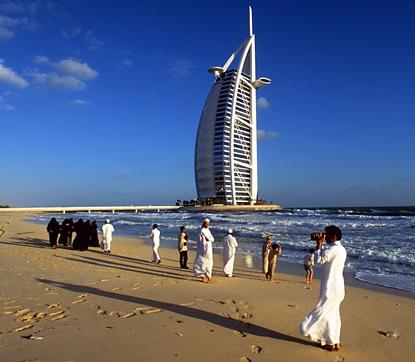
(323, 323)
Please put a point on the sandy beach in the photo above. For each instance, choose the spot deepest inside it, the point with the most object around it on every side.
(64, 305)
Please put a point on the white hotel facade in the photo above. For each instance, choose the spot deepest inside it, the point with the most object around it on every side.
(226, 169)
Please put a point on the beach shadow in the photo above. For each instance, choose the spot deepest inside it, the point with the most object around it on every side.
(221, 321)
(217, 271)
(132, 268)
(27, 242)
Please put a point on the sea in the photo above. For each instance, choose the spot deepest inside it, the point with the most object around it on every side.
(380, 241)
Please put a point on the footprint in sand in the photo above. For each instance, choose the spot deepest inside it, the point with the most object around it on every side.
(390, 334)
(239, 333)
(226, 301)
(137, 288)
(55, 305)
(79, 301)
(24, 328)
(339, 359)
(33, 337)
(56, 314)
(256, 349)
(245, 359)
(141, 309)
(115, 313)
(153, 311)
(58, 317)
(247, 315)
(129, 315)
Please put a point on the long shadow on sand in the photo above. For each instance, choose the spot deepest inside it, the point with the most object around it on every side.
(183, 310)
(131, 268)
(246, 274)
(28, 242)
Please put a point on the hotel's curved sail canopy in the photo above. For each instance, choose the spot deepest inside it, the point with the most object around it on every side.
(226, 145)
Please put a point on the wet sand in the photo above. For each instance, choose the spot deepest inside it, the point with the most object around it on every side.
(64, 305)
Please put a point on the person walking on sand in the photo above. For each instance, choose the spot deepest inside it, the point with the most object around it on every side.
(266, 247)
(107, 230)
(53, 229)
(323, 324)
(229, 250)
(272, 261)
(182, 247)
(155, 237)
(203, 264)
(309, 266)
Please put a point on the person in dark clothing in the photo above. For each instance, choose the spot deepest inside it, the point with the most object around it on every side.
(94, 241)
(66, 233)
(62, 233)
(78, 228)
(53, 229)
(86, 235)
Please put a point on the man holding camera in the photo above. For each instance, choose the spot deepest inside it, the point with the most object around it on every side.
(323, 323)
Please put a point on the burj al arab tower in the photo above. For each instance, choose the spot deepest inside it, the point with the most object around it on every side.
(226, 168)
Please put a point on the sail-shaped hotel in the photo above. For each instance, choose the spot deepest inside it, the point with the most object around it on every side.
(226, 168)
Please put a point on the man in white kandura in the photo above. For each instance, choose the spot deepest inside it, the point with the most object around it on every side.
(107, 230)
(229, 251)
(323, 323)
(155, 237)
(203, 264)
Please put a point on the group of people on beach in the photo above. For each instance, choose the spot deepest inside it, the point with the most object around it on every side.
(203, 263)
(86, 234)
(322, 324)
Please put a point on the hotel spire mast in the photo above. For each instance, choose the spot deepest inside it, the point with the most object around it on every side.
(226, 166)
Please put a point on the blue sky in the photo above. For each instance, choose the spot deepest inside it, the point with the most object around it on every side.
(100, 100)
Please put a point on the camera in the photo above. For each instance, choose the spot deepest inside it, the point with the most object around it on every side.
(317, 236)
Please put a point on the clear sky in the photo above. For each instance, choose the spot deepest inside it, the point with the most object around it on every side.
(100, 100)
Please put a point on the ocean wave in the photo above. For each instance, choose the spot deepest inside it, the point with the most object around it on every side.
(400, 282)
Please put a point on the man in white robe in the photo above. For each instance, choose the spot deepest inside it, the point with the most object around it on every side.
(229, 251)
(323, 323)
(155, 238)
(203, 264)
(107, 230)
